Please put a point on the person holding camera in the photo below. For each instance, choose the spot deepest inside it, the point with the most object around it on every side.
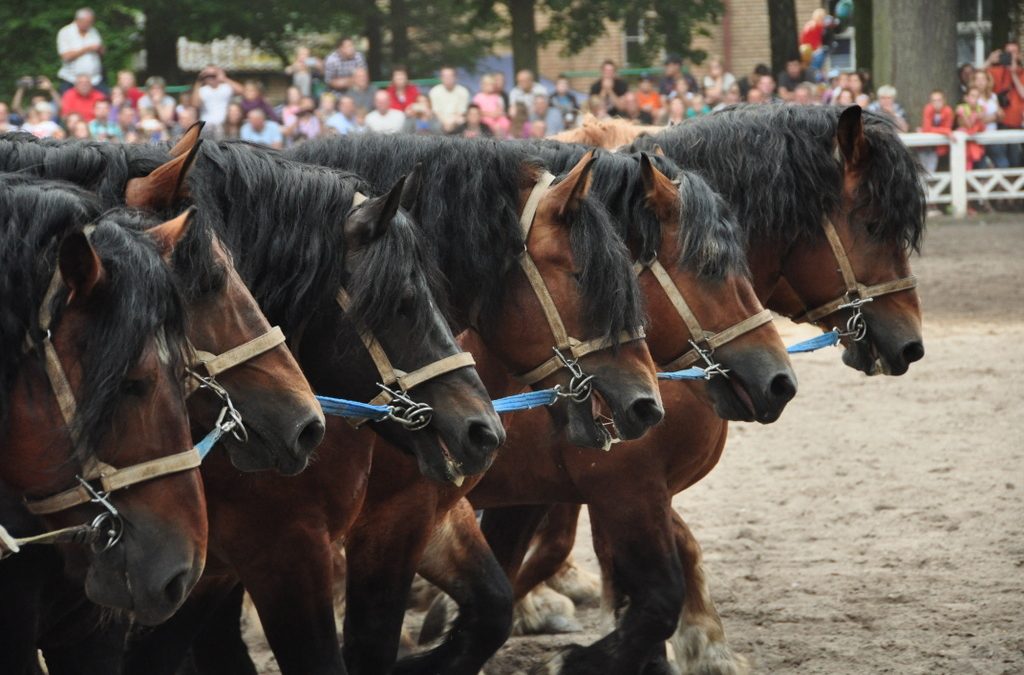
(212, 94)
(44, 92)
(80, 47)
(1004, 67)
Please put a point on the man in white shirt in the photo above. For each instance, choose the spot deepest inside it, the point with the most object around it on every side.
(525, 91)
(80, 46)
(383, 119)
(345, 121)
(449, 100)
(212, 94)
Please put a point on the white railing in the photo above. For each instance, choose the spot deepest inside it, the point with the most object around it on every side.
(958, 185)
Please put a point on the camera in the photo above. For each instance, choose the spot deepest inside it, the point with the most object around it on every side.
(1005, 59)
(25, 82)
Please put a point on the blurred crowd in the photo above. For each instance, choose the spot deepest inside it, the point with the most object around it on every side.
(334, 95)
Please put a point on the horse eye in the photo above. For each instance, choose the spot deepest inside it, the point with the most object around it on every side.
(135, 387)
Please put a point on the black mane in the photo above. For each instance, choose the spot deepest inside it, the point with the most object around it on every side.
(139, 302)
(775, 165)
(709, 239)
(284, 221)
(468, 206)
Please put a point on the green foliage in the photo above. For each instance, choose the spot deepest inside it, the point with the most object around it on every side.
(447, 32)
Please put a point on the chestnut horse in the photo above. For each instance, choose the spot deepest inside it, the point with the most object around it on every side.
(93, 343)
(871, 193)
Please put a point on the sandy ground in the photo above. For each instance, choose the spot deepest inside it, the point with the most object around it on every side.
(878, 527)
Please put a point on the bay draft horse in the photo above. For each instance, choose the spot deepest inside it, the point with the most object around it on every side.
(223, 318)
(470, 206)
(93, 344)
(848, 167)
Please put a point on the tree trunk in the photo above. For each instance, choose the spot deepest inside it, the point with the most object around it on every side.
(863, 36)
(375, 40)
(915, 50)
(160, 40)
(524, 35)
(399, 20)
(1002, 22)
(783, 31)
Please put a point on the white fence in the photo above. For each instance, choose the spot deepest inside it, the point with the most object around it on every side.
(958, 185)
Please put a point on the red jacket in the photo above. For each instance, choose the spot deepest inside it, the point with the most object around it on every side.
(407, 98)
(73, 102)
(938, 122)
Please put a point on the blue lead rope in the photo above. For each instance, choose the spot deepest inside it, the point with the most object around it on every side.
(340, 407)
(209, 440)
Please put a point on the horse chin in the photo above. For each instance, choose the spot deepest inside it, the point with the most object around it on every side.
(591, 424)
(731, 400)
(259, 453)
(438, 462)
(864, 357)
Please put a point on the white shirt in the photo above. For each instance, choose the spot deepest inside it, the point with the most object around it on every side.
(215, 101)
(517, 95)
(449, 105)
(69, 39)
(991, 105)
(389, 123)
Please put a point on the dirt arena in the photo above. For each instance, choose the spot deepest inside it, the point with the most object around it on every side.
(878, 527)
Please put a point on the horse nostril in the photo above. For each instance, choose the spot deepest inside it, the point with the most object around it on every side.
(309, 438)
(482, 436)
(783, 387)
(177, 588)
(647, 412)
(913, 351)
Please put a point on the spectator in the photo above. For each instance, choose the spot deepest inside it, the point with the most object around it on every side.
(303, 68)
(420, 118)
(682, 90)
(965, 76)
(501, 89)
(538, 129)
(80, 46)
(345, 121)
(1004, 67)
(307, 126)
(150, 128)
(187, 116)
(717, 81)
(6, 124)
(492, 106)
(845, 98)
(732, 96)
(675, 112)
(48, 94)
(474, 126)
(936, 118)
(993, 114)
(401, 92)
(648, 98)
(80, 99)
(252, 99)
(596, 108)
(288, 113)
(791, 78)
(803, 94)
(329, 104)
(630, 110)
(157, 100)
(755, 95)
(837, 82)
(384, 119)
(39, 122)
(565, 101)
(672, 67)
(748, 82)
(525, 91)
(341, 64)
(79, 131)
(519, 122)
(362, 91)
(863, 100)
(610, 87)
(697, 107)
(117, 101)
(126, 121)
(212, 94)
(126, 82)
(887, 106)
(855, 83)
(552, 117)
(449, 100)
(970, 119)
(233, 121)
(258, 128)
(101, 127)
(767, 86)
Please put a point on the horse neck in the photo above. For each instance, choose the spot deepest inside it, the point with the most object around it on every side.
(765, 258)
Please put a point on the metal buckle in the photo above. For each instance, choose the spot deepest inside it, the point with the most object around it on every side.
(107, 528)
(856, 326)
(413, 415)
(711, 367)
(581, 385)
(229, 419)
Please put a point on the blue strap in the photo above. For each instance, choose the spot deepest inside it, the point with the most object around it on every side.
(204, 446)
(688, 374)
(525, 401)
(341, 407)
(829, 339)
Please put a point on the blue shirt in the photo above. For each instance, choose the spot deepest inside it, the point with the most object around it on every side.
(343, 125)
(270, 135)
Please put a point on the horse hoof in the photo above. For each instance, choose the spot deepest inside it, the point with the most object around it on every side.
(545, 612)
(577, 584)
(439, 619)
(555, 665)
(695, 654)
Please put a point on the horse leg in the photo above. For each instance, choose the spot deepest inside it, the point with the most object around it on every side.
(644, 566)
(699, 642)
(382, 553)
(458, 560)
(550, 554)
(219, 648)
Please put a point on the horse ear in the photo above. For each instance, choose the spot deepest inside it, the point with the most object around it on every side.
(167, 235)
(188, 140)
(658, 187)
(574, 187)
(80, 267)
(850, 136)
(413, 183)
(165, 186)
(647, 173)
(372, 220)
(657, 149)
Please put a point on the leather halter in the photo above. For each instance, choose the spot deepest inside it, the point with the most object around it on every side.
(703, 342)
(857, 294)
(568, 350)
